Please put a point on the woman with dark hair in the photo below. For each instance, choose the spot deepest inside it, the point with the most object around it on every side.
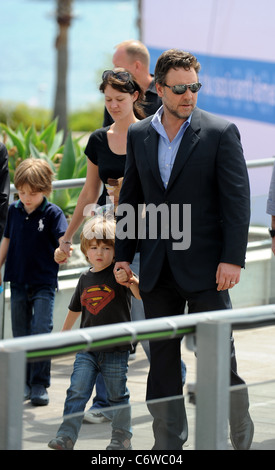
(106, 148)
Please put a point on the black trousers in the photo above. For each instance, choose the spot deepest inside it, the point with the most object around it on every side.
(164, 380)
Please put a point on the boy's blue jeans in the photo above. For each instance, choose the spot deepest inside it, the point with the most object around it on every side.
(32, 313)
(113, 367)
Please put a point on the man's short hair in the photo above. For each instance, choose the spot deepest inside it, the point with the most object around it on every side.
(174, 59)
(136, 50)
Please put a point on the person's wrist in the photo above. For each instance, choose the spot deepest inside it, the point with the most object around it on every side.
(66, 242)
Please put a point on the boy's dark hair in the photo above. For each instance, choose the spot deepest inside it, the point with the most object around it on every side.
(174, 59)
(36, 173)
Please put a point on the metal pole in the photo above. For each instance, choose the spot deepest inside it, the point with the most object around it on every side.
(2, 311)
(212, 389)
(12, 380)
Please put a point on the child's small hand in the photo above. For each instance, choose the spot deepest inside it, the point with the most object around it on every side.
(122, 277)
(113, 187)
(60, 257)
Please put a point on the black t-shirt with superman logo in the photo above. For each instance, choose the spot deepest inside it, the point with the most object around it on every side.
(101, 300)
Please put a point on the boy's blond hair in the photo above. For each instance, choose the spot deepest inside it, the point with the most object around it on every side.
(98, 228)
(36, 173)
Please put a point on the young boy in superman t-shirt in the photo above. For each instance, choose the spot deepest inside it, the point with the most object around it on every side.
(101, 301)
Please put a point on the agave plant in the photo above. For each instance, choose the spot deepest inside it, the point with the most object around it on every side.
(67, 160)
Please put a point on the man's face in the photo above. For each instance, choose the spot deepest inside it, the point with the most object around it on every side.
(179, 106)
(121, 60)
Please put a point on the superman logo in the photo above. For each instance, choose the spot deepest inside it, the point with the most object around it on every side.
(96, 298)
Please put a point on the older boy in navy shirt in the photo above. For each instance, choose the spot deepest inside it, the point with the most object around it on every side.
(33, 229)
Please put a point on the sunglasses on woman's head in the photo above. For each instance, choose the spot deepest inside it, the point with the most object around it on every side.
(123, 76)
(181, 89)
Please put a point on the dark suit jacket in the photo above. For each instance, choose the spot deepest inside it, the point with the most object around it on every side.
(210, 174)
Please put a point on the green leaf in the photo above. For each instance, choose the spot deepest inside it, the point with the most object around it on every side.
(16, 140)
(66, 168)
(49, 133)
(55, 147)
(61, 198)
(34, 151)
(20, 130)
(82, 172)
(29, 136)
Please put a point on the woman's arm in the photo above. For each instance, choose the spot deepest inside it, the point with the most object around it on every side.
(89, 195)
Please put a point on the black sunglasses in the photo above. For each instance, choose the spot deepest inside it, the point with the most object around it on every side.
(181, 89)
(123, 76)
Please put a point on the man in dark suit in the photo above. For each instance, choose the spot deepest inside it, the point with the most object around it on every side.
(184, 158)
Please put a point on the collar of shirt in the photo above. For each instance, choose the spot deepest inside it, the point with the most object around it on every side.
(167, 150)
(151, 88)
(20, 205)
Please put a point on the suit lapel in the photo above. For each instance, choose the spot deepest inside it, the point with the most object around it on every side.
(187, 145)
(151, 149)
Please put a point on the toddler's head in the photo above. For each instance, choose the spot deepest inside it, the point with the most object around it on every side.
(98, 231)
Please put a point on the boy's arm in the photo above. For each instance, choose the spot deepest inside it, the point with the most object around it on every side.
(134, 286)
(70, 320)
(3, 253)
(132, 282)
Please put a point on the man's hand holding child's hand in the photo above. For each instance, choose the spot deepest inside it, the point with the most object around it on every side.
(121, 276)
(124, 276)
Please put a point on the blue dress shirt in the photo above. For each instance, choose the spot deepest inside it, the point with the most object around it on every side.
(167, 150)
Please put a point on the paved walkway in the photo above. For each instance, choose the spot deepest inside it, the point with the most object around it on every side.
(256, 364)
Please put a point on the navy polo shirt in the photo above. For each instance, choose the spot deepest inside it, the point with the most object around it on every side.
(33, 240)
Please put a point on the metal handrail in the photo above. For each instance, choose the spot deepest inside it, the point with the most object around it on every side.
(60, 184)
(45, 345)
(260, 162)
(78, 182)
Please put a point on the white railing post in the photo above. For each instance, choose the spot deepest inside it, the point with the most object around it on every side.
(12, 380)
(212, 388)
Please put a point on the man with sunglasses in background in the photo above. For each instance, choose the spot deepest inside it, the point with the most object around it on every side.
(186, 156)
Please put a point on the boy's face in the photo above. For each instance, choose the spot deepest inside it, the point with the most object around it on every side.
(30, 199)
(100, 255)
